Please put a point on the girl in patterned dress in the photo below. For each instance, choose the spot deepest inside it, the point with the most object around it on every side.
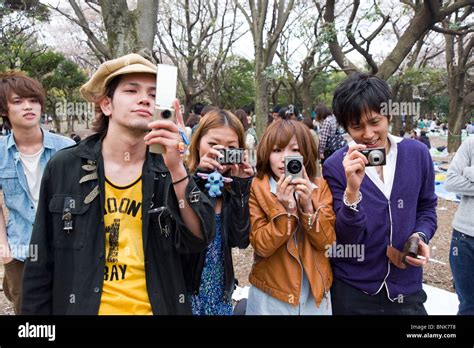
(212, 283)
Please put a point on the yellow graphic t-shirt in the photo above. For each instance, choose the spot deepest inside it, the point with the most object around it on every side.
(124, 290)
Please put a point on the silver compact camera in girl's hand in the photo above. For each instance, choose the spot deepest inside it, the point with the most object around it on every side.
(375, 156)
(294, 166)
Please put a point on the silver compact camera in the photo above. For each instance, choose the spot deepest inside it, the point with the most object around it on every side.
(294, 166)
(231, 156)
(375, 156)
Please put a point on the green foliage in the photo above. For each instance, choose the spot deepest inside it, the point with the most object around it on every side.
(324, 86)
(328, 33)
(237, 83)
(431, 87)
(29, 8)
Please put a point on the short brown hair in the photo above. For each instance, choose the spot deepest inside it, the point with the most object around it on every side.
(214, 119)
(279, 133)
(24, 86)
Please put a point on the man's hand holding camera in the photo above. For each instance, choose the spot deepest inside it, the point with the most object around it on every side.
(354, 166)
(166, 133)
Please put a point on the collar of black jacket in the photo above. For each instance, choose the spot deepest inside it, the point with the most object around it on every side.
(90, 148)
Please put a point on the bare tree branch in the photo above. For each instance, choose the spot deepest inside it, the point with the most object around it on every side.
(83, 23)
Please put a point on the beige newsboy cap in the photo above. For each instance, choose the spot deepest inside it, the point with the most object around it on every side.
(128, 64)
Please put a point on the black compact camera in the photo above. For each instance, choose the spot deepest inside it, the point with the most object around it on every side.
(375, 156)
(294, 166)
(231, 156)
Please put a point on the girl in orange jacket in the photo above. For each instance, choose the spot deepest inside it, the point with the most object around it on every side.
(292, 226)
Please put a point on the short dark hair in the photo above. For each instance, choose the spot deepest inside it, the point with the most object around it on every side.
(285, 113)
(24, 86)
(276, 109)
(247, 109)
(358, 94)
(197, 108)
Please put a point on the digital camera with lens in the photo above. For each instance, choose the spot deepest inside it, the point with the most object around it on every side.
(375, 156)
(231, 156)
(294, 166)
(166, 83)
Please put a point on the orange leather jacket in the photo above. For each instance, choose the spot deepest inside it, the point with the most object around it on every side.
(285, 244)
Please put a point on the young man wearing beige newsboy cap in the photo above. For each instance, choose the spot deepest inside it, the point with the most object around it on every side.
(114, 218)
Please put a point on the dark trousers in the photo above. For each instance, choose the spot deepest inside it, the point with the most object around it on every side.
(12, 281)
(347, 300)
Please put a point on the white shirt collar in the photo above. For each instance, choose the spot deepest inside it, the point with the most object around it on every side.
(388, 170)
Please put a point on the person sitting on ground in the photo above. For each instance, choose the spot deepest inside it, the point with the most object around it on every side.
(424, 139)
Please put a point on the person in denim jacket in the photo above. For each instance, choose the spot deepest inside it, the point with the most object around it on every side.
(23, 156)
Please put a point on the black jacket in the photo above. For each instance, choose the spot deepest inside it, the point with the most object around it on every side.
(235, 233)
(67, 277)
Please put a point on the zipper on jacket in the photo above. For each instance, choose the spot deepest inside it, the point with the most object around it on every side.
(289, 215)
(295, 238)
(316, 265)
(317, 217)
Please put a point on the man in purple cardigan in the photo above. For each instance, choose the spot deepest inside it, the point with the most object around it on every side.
(378, 208)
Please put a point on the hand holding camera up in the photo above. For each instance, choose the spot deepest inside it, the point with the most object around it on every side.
(295, 180)
(166, 134)
(241, 169)
(223, 159)
(285, 194)
(354, 167)
(304, 188)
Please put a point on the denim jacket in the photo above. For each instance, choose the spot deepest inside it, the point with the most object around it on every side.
(16, 194)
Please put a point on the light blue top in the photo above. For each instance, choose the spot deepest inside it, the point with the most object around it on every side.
(16, 194)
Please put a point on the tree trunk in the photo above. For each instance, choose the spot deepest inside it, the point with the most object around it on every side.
(306, 98)
(456, 67)
(68, 124)
(455, 123)
(57, 123)
(188, 103)
(261, 104)
(129, 31)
